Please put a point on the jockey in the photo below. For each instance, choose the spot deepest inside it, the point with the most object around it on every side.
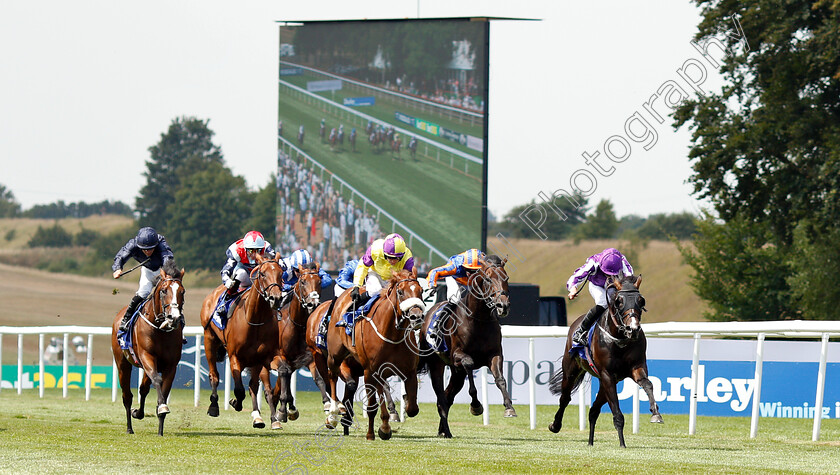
(241, 260)
(608, 262)
(344, 280)
(291, 274)
(456, 273)
(384, 257)
(151, 250)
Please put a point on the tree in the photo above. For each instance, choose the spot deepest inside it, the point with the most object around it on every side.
(208, 212)
(738, 271)
(264, 211)
(9, 207)
(521, 221)
(766, 153)
(663, 226)
(602, 224)
(185, 149)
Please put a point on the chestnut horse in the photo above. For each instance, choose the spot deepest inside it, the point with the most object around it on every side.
(349, 368)
(250, 338)
(156, 340)
(618, 350)
(380, 346)
(473, 338)
(292, 337)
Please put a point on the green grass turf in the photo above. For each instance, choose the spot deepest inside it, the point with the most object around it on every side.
(439, 204)
(386, 106)
(56, 435)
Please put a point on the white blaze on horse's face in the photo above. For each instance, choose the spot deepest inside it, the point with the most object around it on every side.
(176, 309)
(634, 323)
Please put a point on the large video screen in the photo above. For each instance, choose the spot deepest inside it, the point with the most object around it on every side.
(382, 129)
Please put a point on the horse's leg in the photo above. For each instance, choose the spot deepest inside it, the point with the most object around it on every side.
(571, 375)
(163, 395)
(640, 377)
(211, 347)
(476, 408)
(371, 389)
(145, 385)
(496, 369)
(271, 395)
(595, 411)
(411, 407)
(436, 375)
(385, 428)
(284, 382)
(350, 388)
(238, 387)
(456, 383)
(611, 394)
(389, 403)
(254, 391)
(124, 368)
(315, 369)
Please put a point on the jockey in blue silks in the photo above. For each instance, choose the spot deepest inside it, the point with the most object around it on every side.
(608, 262)
(291, 275)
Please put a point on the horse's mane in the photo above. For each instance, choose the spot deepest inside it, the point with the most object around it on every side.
(493, 260)
(171, 269)
(628, 279)
(309, 265)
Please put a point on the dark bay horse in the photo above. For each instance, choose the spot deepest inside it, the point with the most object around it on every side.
(473, 339)
(618, 351)
(292, 337)
(380, 347)
(156, 340)
(250, 338)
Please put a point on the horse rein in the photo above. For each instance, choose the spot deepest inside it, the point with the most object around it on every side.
(619, 323)
(400, 314)
(162, 315)
(496, 290)
(263, 292)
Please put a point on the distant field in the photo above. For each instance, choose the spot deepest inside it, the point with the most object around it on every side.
(24, 228)
(56, 435)
(550, 263)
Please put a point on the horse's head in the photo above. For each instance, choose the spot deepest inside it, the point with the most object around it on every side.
(308, 287)
(627, 305)
(169, 297)
(490, 284)
(409, 298)
(267, 278)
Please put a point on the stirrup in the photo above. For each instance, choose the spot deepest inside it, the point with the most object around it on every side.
(579, 337)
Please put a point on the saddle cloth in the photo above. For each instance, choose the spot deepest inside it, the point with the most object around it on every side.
(229, 304)
(585, 352)
(433, 337)
(349, 319)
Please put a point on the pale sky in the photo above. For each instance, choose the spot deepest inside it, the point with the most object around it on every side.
(88, 86)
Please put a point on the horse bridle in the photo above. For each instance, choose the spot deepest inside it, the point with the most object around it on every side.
(161, 292)
(496, 291)
(619, 322)
(400, 315)
(263, 292)
(299, 296)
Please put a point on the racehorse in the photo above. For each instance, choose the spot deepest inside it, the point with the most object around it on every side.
(412, 148)
(300, 135)
(353, 140)
(375, 138)
(618, 350)
(156, 342)
(348, 370)
(322, 132)
(333, 138)
(473, 339)
(396, 143)
(250, 338)
(379, 346)
(292, 338)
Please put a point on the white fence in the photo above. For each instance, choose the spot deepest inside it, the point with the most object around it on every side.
(822, 330)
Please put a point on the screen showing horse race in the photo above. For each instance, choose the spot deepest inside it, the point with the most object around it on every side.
(381, 129)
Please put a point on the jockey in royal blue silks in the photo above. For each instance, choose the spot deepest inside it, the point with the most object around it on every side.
(291, 274)
(343, 282)
(150, 249)
(241, 260)
(608, 262)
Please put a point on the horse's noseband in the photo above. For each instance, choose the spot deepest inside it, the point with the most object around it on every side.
(623, 329)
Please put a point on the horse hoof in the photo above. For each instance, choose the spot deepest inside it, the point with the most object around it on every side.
(478, 410)
(162, 410)
(444, 435)
(332, 421)
(258, 422)
(237, 405)
(326, 407)
(129, 431)
(656, 419)
(213, 411)
(293, 415)
(383, 435)
(510, 413)
(137, 414)
(276, 425)
(553, 429)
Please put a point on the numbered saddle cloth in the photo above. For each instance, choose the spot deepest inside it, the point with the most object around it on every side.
(350, 318)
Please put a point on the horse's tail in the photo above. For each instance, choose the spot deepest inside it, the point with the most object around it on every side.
(556, 380)
(302, 361)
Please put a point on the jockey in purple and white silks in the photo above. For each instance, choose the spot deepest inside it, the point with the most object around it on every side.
(608, 262)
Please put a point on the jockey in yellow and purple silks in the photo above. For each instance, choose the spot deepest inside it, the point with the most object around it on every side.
(459, 268)
(384, 257)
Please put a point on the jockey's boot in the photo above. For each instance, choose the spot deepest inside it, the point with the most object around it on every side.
(129, 312)
(321, 337)
(230, 294)
(589, 319)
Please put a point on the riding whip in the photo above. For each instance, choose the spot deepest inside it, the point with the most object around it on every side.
(135, 267)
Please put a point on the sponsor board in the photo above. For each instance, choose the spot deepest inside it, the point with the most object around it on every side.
(360, 101)
(291, 71)
(328, 85)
